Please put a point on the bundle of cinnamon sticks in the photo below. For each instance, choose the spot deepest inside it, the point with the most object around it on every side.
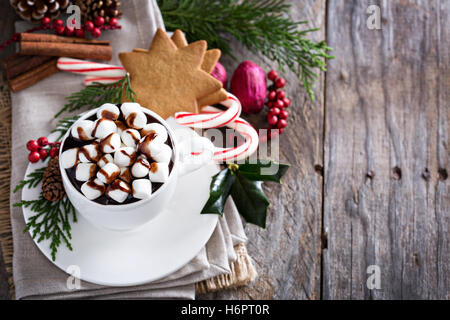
(38, 54)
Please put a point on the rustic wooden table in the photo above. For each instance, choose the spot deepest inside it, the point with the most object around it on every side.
(368, 188)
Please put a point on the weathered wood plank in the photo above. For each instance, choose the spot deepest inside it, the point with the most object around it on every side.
(386, 140)
(288, 254)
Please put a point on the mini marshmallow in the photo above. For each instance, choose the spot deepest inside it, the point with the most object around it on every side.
(157, 129)
(108, 111)
(106, 158)
(85, 171)
(165, 155)
(129, 107)
(69, 158)
(125, 174)
(142, 188)
(108, 173)
(89, 153)
(136, 120)
(130, 137)
(110, 144)
(148, 146)
(118, 190)
(159, 172)
(103, 128)
(93, 189)
(82, 130)
(140, 168)
(120, 127)
(124, 157)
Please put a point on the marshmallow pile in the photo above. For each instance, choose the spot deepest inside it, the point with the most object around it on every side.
(125, 154)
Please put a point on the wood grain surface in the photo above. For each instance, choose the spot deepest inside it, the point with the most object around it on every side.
(368, 184)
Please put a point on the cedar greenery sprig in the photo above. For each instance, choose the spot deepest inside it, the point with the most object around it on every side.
(64, 125)
(33, 179)
(51, 221)
(262, 26)
(97, 94)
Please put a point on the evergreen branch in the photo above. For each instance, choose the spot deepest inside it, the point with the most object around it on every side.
(51, 221)
(262, 26)
(33, 179)
(97, 94)
(64, 125)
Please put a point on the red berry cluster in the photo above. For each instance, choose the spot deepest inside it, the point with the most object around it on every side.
(93, 27)
(41, 149)
(277, 103)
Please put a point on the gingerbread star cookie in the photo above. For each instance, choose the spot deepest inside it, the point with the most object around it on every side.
(168, 79)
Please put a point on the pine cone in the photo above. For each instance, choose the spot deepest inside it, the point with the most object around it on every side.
(91, 9)
(52, 186)
(35, 10)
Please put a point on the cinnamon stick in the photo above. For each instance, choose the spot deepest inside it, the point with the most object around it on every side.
(16, 64)
(64, 49)
(43, 37)
(33, 76)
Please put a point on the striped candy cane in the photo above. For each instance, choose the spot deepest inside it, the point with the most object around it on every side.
(90, 69)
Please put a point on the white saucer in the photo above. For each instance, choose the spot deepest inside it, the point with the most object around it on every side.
(148, 253)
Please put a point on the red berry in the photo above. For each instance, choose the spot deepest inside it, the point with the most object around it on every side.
(58, 23)
(281, 130)
(88, 26)
(60, 30)
(99, 21)
(32, 145)
(284, 114)
(42, 141)
(272, 119)
(279, 104)
(272, 75)
(53, 152)
(96, 32)
(276, 111)
(43, 154)
(270, 104)
(281, 124)
(34, 157)
(45, 21)
(280, 83)
(79, 33)
(286, 102)
(281, 94)
(69, 31)
(272, 95)
(113, 22)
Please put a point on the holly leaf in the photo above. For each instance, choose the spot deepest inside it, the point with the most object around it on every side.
(267, 171)
(250, 199)
(219, 191)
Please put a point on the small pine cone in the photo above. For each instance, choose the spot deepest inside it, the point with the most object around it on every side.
(52, 186)
(35, 10)
(91, 9)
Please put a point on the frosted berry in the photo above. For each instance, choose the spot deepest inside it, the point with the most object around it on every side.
(113, 22)
(279, 104)
(272, 75)
(34, 157)
(69, 31)
(270, 104)
(99, 21)
(42, 141)
(58, 23)
(45, 21)
(280, 83)
(286, 102)
(79, 33)
(275, 111)
(53, 152)
(32, 145)
(272, 119)
(43, 154)
(89, 26)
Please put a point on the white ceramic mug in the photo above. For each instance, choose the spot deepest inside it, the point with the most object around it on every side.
(132, 215)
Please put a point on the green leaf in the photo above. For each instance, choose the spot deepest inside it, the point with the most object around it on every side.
(219, 192)
(250, 199)
(252, 171)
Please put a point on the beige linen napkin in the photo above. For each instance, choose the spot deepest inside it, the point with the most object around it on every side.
(33, 109)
